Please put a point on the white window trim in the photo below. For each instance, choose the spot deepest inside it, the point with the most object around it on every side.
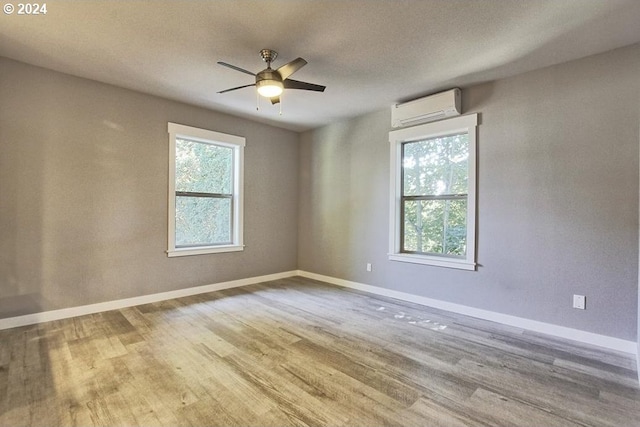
(460, 124)
(207, 136)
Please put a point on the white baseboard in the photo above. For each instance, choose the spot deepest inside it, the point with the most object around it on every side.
(46, 316)
(519, 322)
(532, 325)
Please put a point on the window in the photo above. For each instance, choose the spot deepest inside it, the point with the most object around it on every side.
(205, 191)
(433, 192)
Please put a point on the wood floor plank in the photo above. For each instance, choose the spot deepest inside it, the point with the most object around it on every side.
(299, 352)
(358, 403)
(298, 405)
(500, 410)
(575, 406)
(436, 415)
(588, 352)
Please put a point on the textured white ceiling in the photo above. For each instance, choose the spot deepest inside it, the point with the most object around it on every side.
(368, 53)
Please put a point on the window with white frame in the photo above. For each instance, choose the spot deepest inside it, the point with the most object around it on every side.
(433, 193)
(205, 191)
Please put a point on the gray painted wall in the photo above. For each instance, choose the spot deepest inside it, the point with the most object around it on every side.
(83, 199)
(83, 194)
(557, 199)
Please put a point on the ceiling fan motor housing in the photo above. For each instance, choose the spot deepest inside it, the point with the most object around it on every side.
(267, 76)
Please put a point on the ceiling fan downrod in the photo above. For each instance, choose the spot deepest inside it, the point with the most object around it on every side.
(268, 56)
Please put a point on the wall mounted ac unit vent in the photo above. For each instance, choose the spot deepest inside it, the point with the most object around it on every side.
(427, 109)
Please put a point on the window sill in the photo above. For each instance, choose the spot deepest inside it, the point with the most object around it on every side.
(460, 264)
(204, 250)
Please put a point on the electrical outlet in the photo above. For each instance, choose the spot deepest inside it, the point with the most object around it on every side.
(368, 266)
(580, 301)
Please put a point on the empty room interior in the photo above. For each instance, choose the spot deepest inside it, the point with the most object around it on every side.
(320, 213)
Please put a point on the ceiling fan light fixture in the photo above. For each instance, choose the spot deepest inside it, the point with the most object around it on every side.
(269, 88)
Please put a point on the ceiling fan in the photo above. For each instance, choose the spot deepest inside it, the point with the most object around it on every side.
(269, 82)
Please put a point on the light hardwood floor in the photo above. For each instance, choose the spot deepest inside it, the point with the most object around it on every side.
(300, 352)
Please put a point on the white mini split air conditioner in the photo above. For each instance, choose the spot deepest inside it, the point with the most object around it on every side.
(427, 109)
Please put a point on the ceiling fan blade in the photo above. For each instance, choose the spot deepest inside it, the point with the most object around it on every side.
(295, 84)
(275, 100)
(233, 67)
(291, 67)
(235, 88)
